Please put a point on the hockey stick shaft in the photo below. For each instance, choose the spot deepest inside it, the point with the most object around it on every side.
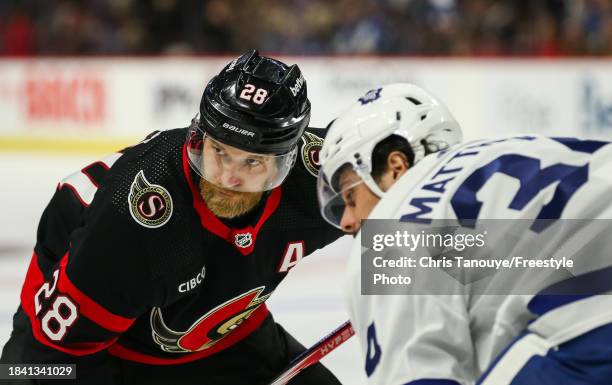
(315, 353)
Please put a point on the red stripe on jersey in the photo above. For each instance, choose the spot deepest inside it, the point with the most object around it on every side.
(237, 335)
(74, 191)
(85, 171)
(74, 349)
(213, 224)
(271, 206)
(90, 308)
(34, 280)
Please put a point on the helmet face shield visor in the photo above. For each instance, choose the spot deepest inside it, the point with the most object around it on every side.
(234, 169)
(334, 194)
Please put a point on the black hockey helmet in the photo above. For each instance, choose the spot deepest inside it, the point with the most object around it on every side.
(256, 104)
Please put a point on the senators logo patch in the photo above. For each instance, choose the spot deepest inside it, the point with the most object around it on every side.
(150, 204)
(311, 146)
(209, 329)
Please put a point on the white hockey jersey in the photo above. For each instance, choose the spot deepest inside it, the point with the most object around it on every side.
(453, 339)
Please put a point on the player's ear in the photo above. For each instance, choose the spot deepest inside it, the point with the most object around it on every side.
(397, 165)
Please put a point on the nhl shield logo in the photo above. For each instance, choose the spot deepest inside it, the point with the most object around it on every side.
(370, 96)
(150, 204)
(311, 145)
(243, 240)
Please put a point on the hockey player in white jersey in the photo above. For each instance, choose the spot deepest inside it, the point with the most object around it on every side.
(397, 154)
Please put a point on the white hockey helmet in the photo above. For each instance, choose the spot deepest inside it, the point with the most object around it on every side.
(401, 109)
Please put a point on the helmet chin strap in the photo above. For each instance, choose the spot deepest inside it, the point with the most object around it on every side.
(370, 182)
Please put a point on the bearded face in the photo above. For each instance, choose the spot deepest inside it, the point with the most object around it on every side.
(226, 203)
(234, 181)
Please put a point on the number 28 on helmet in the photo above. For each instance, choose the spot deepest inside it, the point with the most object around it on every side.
(252, 115)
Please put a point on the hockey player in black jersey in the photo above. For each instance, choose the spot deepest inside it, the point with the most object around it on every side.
(153, 265)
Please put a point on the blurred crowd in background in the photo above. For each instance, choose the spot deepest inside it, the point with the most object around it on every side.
(411, 27)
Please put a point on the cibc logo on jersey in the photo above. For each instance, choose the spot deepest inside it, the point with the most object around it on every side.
(150, 204)
(192, 283)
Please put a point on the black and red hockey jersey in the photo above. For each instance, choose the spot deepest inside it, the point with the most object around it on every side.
(130, 261)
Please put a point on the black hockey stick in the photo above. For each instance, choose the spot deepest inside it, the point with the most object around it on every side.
(315, 353)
